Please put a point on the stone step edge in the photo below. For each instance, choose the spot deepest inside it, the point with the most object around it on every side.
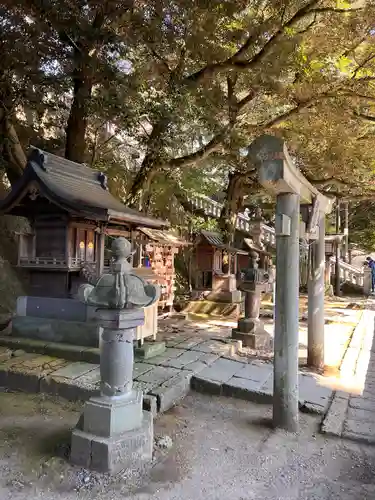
(217, 388)
(31, 383)
(55, 349)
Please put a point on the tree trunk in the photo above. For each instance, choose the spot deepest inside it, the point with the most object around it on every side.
(77, 122)
(231, 206)
(11, 149)
(138, 192)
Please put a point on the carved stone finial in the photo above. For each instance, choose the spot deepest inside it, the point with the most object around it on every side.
(122, 289)
(102, 178)
(38, 157)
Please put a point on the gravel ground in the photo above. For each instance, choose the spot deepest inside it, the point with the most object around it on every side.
(222, 449)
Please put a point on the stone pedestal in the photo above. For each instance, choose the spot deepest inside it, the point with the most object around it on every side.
(250, 329)
(113, 432)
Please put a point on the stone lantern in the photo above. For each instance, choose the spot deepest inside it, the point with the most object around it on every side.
(114, 432)
(250, 329)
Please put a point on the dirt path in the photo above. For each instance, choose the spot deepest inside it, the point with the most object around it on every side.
(222, 450)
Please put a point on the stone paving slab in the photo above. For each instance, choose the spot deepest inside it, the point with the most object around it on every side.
(351, 414)
(254, 382)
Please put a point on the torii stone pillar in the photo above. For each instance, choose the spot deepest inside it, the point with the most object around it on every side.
(316, 287)
(114, 432)
(277, 173)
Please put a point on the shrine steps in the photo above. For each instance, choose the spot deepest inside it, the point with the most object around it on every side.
(65, 351)
(212, 309)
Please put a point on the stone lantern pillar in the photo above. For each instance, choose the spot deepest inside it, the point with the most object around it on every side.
(250, 329)
(114, 432)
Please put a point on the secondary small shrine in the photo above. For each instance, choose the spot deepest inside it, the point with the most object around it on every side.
(73, 217)
(215, 268)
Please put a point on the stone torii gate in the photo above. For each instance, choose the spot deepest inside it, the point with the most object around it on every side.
(277, 174)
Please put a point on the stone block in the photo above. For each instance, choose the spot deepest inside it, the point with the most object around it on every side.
(360, 414)
(106, 416)
(91, 355)
(362, 438)
(126, 450)
(362, 403)
(141, 368)
(150, 350)
(246, 389)
(258, 372)
(189, 343)
(66, 351)
(183, 360)
(258, 340)
(172, 391)
(195, 367)
(74, 370)
(150, 403)
(312, 391)
(360, 427)
(206, 386)
(221, 370)
(335, 417)
(215, 347)
(56, 330)
(158, 375)
(23, 381)
(169, 353)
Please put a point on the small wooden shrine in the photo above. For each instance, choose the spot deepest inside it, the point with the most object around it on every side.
(72, 215)
(214, 268)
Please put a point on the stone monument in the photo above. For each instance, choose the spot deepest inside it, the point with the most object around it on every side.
(250, 328)
(114, 432)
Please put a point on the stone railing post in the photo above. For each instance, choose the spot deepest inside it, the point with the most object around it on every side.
(114, 432)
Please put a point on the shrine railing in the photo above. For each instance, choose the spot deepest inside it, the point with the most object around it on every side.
(243, 223)
(348, 273)
(51, 262)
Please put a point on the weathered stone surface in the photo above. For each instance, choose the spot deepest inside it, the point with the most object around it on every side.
(150, 403)
(108, 417)
(150, 349)
(334, 420)
(362, 403)
(360, 414)
(311, 390)
(247, 389)
(258, 372)
(158, 375)
(364, 438)
(360, 427)
(170, 353)
(172, 391)
(206, 386)
(189, 343)
(183, 360)
(67, 351)
(55, 330)
(116, 453)
(74, 370)
(221, 370)
(216, 347)
(141, 368)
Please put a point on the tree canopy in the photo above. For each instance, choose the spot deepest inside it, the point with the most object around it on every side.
(165, 95)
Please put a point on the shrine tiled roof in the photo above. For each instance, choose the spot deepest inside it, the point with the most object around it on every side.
(74, 187)
(163, 237)
(216, 240)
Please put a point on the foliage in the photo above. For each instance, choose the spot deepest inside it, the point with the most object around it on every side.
(165, 95)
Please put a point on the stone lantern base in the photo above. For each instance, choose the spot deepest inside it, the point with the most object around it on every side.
(113, 433)
(252, 334)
